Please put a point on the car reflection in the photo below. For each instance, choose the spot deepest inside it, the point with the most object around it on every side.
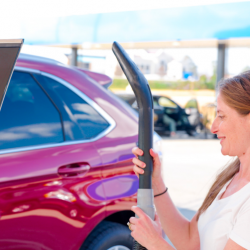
(53, 183)
(113, 188)
(20, 208)
(45, 214)
(61, 195)
(30, 134)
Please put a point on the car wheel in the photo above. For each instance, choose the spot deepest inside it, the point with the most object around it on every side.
(118, 248)
(109, 236)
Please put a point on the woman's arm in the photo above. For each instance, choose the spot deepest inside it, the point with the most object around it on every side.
(181, 232)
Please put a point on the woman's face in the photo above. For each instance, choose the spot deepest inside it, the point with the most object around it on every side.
(232, 129)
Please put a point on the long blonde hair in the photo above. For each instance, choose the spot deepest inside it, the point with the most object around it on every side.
(235, 92)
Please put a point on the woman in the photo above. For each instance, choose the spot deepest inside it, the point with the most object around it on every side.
(223, 220)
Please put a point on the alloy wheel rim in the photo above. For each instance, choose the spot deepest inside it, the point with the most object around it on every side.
(118, 247)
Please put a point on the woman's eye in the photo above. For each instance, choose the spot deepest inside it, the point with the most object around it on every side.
(220, 116)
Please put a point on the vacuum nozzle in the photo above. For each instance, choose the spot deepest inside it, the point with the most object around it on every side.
(144, 99)
(139, 84)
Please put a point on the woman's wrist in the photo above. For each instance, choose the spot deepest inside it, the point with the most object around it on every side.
(158, 186)
(161, 244)
(165, 191)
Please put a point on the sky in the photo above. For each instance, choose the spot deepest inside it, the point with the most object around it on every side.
(17, 14)
(14, 11)
(21, 9)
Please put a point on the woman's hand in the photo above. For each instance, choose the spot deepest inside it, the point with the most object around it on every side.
(146, 231)
(139, 165)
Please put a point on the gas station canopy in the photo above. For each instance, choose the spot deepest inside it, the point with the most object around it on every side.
(215, 25)
(193, 26)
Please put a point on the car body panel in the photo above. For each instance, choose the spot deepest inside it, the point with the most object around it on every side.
(100, 78)
(120, 185)
(37, 199)
(41, 209)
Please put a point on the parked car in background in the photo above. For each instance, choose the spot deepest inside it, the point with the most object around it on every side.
(164, 106)
(195, 118)
(66, 171)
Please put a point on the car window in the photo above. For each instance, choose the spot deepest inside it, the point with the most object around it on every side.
(124, 104)
(28, 117)
(155, 103)
(84, 121)
(192, 104)
(134, 105)
(165, 102)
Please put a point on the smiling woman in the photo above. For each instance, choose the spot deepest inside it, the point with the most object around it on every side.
(231, 190)
(232, 127)
(222, 222)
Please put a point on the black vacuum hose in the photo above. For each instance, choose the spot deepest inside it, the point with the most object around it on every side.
(139, 84)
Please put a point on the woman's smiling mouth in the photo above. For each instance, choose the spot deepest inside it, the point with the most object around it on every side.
(221, 139)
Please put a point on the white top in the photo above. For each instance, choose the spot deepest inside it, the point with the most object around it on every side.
(226, 218)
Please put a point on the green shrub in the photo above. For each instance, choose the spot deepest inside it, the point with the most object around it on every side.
(119, 84)
(202, 83)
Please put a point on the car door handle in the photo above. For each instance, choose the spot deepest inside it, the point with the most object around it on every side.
(74, 169)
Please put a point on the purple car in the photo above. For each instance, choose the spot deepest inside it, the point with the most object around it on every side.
(66, 178)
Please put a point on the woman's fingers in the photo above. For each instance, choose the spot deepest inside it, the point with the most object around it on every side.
(138, 170)
(139, 163)
(136, 151)
(132, 227)
(139, 212)
(155, 156)
(157, 219)
(133, 220)
(138, 166)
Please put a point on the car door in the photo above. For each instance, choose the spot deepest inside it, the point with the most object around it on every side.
(170, 108)
(45, 202)
(192, 110)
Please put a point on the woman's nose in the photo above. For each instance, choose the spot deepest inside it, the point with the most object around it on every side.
(214, 127)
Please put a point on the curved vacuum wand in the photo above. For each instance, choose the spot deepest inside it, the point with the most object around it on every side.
(139, 84)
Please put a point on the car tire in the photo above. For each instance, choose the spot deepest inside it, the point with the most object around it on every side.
(109, 236)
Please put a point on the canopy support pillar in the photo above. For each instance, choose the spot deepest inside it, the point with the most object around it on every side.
(74, 56)
(221, 60)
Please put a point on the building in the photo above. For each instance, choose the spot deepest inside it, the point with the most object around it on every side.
(189, 68)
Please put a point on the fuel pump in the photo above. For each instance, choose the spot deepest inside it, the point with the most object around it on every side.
(140, 86)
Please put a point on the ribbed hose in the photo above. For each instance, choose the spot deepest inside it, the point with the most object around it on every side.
(137, 246)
